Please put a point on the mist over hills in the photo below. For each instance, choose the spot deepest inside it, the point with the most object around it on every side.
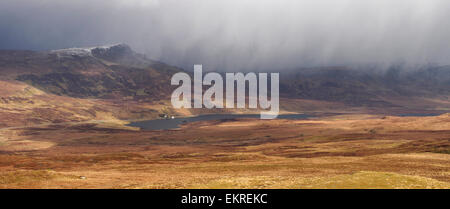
(118, 72)
(366, 86)
(86, 95)
(239, 35)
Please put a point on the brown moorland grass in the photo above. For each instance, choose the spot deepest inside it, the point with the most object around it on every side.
(346, 151)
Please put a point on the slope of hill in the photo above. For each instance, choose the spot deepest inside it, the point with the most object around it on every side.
(114, 82)
(79, 84)
(98, 72)
(360, 87)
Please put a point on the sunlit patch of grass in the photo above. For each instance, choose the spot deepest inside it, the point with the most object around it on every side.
(33, 179)
(24, 176)
(359, 180)
(256, 182)
(375, 180)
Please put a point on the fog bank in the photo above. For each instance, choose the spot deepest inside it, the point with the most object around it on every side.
(238, 35)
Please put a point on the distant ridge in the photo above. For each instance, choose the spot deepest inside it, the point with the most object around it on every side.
(115, 71)
(85, 51)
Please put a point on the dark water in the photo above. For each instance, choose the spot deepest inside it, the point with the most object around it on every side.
(164, 124)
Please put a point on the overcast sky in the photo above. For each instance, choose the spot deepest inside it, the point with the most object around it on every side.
(238, 35)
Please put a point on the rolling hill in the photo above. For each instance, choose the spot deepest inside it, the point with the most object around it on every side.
(115, 83)
(78, 84)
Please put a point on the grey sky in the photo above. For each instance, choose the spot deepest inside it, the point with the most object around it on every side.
(238, 34)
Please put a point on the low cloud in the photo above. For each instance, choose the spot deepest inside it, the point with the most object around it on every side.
(237, 35)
